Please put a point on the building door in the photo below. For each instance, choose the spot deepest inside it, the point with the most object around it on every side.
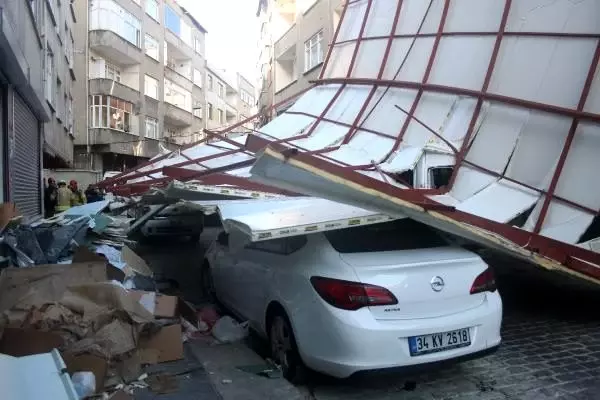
(25, 162)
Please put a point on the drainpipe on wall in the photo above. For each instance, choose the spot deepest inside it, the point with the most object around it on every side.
(87, 88)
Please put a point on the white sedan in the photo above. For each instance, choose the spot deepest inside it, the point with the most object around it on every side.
(387, 295)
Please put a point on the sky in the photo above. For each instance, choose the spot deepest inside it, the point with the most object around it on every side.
(233, 32)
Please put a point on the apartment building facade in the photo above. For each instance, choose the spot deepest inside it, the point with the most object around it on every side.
(293, 40)
(230, 98)
(36, 83)
(145, 63)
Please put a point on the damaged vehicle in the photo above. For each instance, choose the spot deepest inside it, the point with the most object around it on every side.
(176, 220)
(396, 294)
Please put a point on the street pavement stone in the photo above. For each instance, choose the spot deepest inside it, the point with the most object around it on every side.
(550, 350)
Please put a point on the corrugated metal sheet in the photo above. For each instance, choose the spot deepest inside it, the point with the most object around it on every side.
(25, 166)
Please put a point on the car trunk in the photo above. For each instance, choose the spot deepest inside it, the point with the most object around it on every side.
(411, 275)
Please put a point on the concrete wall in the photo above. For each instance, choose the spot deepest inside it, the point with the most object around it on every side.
(319, 17)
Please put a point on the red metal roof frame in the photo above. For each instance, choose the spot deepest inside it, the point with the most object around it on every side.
(559, 251)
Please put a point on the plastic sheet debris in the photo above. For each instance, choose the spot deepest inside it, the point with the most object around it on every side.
(84, 383)
(228, 330)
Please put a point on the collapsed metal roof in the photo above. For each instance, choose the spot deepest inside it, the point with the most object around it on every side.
(509, 90)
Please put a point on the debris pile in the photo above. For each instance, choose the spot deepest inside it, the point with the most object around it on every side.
(72, 284)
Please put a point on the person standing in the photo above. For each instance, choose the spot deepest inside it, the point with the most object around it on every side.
(77, 196)
(63, 197)
(50, 197)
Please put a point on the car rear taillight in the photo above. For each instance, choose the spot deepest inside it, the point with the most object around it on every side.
(351, 295)
(485, 282)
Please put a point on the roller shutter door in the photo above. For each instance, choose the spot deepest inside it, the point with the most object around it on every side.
(25, 164)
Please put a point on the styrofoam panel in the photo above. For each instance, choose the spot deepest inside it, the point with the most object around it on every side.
(412, 66)
(286, 125)
(562, 222)
(554, 16)
(325, 135)
(369, 58)
(454, 128)
(403, 159)
(581, 168)
(433, 110)
(363, 148)
(501, 201)
(348, 104)
(380, 22)
(386, 118)
(432, 18)
(413, 12)
(453, 56)
(352, 22)
(545, 70)
(339, 60)
(497, 136)
(539, 146)
(470, 181)
(460, 16)
(223, 161)
(592, 105)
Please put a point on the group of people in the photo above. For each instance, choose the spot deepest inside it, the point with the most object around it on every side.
(60, 197)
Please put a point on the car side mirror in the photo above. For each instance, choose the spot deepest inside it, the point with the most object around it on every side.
(223, 239)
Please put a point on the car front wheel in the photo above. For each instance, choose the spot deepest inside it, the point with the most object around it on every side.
(284, 349)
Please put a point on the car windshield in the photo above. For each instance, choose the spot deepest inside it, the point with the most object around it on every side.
(402, 234)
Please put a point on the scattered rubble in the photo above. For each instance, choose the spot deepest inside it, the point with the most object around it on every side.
(72, 288)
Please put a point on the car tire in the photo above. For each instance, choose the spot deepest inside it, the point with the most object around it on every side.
(284, 349)
(207, 284)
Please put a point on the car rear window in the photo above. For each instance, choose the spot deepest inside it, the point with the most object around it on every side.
(402, 234)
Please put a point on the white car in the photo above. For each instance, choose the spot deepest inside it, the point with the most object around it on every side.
(388, 295)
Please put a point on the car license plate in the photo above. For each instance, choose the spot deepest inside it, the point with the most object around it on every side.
(426, 344)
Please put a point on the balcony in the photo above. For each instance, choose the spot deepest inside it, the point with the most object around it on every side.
(230, 112)
(177, 78)
(113, 47)
(176, 116)
(286, 41)
(110, 141)
(114, 88)
(173, 41)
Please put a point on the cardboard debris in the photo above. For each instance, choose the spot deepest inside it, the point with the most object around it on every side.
(135, 262)
(8, 215)
(88, 362)
(85, 255)
(161, 306)
(43, 284)
(96, 299)
(112, 340)
(167, 342)
(26, 342)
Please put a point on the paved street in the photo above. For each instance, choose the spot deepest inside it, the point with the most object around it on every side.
(551, 347)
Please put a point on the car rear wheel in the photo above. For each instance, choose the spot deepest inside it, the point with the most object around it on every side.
(284, 349)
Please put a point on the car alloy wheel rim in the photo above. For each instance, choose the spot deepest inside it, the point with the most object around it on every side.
(281, 343)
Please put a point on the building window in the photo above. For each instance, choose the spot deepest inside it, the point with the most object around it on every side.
(108, 15)
(49, 77)
(221, 89)
(178, 96)
(246, 97)
(172, 21)
(57, 100)
(198, 112)
(70, 114)
(151, 47)
(197, 45)
(151, 128)
(210, 81)
(152, 9)
(171, 132)
(220, 114)
(197, 77)
(186, 34)
(209, 111)
(112, 72)
(110, 112)
(313, 51)
(151, 87)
